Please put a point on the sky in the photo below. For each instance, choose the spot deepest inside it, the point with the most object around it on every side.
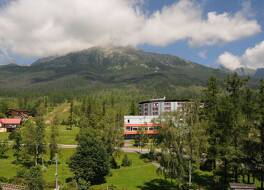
(215, 33)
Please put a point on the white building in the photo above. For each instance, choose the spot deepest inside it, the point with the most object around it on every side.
(150, 111)
(134, 125)
(157, 106)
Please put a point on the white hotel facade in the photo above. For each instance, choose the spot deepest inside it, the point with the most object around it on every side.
(149, 112)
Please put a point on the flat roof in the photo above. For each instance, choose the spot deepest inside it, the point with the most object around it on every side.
(164, 100)
(241, 186)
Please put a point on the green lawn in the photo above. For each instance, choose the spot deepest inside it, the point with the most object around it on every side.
(65, 136)
(4, 136)
(9, 170)
(63, 169)
(137, 176)
(61, 111)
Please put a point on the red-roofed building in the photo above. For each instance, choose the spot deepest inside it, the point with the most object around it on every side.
(9, 124)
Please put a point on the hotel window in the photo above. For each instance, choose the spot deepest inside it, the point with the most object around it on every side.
(151, 128)
(128, 121)
(167, 104)
(135, 129)
(155, 104)
(128, 128)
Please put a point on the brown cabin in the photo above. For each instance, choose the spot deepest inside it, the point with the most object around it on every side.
(14, 113)
(241, 186)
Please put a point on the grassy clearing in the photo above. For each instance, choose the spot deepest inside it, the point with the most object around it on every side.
(61, 111)
(65, 136)
(134, 177)
(9, 170)
(4, 136)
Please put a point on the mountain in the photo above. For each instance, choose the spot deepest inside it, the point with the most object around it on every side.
(242, 71)
(101, 67)
(259, 74)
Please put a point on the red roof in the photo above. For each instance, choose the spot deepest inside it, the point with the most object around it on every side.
(10, 121)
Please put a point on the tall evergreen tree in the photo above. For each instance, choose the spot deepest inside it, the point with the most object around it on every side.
(34, 179)
(53, 147)
(90, 162)
(210, 108)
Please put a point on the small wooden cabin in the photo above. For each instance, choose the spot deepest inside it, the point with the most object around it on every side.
(241, 186)
(14, 113)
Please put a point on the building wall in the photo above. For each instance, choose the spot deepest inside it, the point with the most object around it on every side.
(155, 108)
(2, 130)
(134, 125)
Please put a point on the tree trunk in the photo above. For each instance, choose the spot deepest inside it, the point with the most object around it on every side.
(236, 175)
(225, 172)
(262, 182)
(248, 178)
(190, 172)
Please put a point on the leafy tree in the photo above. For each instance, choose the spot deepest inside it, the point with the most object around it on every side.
(173, 163)
(90, 162)
(196, 139)
(260, 156)
(40, 138)
(3, 149)
(34, 179)
(53, 142)
(17, 147)
(33, 139)
(71, 119)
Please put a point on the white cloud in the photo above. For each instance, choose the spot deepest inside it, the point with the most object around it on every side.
(203, 54)
(252, 58)
(229, 61)
(48, 27)
(5, 58)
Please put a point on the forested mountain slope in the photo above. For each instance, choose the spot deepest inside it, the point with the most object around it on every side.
(106, 68)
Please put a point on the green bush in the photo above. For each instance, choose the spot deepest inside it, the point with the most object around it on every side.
(126, 162)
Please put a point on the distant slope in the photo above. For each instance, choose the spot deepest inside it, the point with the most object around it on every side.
(106, 67)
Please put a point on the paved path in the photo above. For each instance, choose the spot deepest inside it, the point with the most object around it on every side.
(125, 149)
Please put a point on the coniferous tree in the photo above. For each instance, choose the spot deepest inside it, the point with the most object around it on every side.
(34, 179)
(40, 138)
(3, 149)
(90, 162)
(53, 147)
(260, 157)
(17, 147)
(210, 108)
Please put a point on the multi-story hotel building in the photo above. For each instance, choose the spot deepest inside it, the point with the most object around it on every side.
(147, 121)
(157, 106)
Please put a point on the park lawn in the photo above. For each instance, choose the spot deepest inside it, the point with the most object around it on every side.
(65, 136)
(132, 178)
(9, 170)
(4, 136)
(61, 111)
(63, 169)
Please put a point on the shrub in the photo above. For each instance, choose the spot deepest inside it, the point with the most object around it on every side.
(126, 162)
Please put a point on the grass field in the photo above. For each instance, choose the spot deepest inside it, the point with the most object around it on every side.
(65, 136)
(137, 176)
(61, 111)
(4, 136)
(132, 178)
(9, 170)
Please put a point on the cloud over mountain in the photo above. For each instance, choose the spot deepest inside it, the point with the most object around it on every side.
(252, 58)
(48, 27)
